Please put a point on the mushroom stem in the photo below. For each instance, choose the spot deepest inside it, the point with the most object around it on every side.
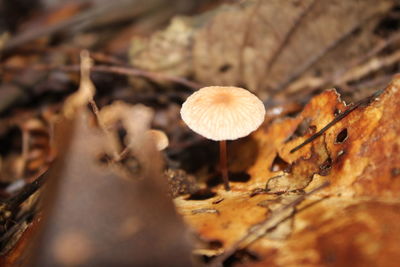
(224, 164)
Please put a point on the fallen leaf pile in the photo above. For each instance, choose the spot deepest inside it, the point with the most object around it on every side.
(82, 180)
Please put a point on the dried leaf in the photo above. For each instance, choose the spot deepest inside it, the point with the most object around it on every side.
(96, 217)
(264, 45)
(345, 223)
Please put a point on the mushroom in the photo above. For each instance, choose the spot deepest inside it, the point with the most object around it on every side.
(159, 138)
(223, 113)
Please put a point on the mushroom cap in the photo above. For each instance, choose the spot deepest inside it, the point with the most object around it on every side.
(159, 138)
(223, 113)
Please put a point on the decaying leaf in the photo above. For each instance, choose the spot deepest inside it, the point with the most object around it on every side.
(99, 217)
(264, 45)
(92, 214)
(311, 187)
(359, 206)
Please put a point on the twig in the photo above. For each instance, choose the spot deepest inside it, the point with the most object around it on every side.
(369, 84)
(10, 232)
(147, 74)
(109, 136)
(376, 50)
(25, 193)
(338, 118)
(118, 70)
(260, 229)
(369, 67)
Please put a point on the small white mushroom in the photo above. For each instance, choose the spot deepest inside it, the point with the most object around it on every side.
(223, 113)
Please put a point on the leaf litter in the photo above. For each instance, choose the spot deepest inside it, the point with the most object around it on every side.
(308, 188)
(360, 180)
(80, 185)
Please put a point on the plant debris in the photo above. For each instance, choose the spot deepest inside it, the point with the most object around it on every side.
(84, 183)
(359, 180)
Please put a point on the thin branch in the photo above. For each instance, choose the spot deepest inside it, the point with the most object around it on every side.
(369, 67)
(147, 74)
(377, 49)
(338, 118)
(155, 76)
(26, 192)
